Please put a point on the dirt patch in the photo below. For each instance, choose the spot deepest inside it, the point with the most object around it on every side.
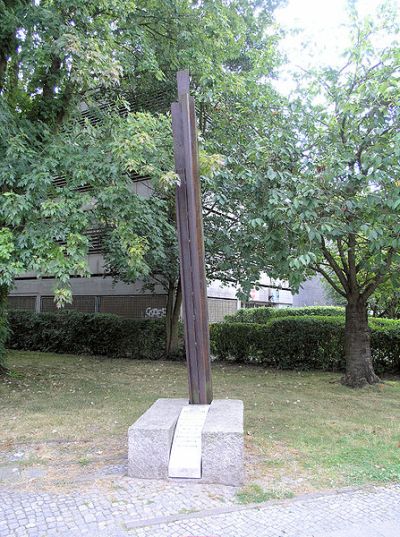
(61, 465)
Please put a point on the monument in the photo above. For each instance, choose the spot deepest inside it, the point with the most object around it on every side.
(199, 438)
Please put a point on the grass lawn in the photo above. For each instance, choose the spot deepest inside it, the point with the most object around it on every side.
(303, 431)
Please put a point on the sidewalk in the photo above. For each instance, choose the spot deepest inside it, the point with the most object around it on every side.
(120, 507)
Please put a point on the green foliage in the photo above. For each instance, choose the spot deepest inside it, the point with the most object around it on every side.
(311, 185)
(262, 315)
(3, 336)
(385, 302)
(59, 58)
(241, 108)
(297, 342)
(317, 185)
(302, 343)
(84, 333)
(140, 234)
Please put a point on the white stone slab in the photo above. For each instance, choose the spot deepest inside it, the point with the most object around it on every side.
(185, 458)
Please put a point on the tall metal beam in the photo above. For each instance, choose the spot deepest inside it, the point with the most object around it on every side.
(191, 244)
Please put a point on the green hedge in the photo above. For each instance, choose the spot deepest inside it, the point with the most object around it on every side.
(86, 333)
(314, 342)
(262, 315)
(297, 342)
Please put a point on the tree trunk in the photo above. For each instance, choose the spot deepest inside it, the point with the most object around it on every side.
(3, 327)
(359, 369)
(174, 302)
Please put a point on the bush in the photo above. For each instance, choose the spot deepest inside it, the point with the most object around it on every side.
(385, 345)
(262, 315)
(314, 342)
(87, 333)
(294, 342)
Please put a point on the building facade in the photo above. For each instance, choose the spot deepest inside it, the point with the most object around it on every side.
(312, 293)
(100, 294)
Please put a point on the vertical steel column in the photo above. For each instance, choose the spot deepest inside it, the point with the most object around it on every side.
(191, 244)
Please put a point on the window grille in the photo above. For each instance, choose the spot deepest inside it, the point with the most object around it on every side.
(61, 182)
(96, 240)
(27, 303)
(219, 307)
(257, 304)
(82, 303)
(95, 236)
(134, 307)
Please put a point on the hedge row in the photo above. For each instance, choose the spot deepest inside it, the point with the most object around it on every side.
(297, 342)
(262, 315)
(86, 333)
(314, 342)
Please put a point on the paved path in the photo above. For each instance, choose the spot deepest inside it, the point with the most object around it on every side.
(120, 507)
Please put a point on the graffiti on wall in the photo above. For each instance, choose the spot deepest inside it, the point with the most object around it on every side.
(155, 313)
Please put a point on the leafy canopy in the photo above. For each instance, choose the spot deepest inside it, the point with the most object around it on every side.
(60, 58)
(318, 183)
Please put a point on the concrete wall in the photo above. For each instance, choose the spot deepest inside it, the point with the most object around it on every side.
(312, 293)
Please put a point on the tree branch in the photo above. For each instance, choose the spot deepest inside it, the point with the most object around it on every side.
(342, 256)
(351, 256)
(337, 270)
(7, 45)
(329, 280)
(380, 277)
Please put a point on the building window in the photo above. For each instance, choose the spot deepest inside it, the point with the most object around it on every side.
(219, 307)
(82, 303)
(134, 307)
(27, 303)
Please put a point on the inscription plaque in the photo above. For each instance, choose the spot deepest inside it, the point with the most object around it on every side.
(185, 458)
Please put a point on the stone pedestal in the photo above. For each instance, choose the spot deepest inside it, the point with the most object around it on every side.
(222, 443)
(150, 439)
(151, 436)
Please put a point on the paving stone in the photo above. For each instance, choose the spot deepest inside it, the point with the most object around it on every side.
(143, 508)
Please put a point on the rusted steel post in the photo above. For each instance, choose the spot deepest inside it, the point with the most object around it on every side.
(191, 245)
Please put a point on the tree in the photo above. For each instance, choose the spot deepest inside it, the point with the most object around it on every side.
(60, 57)
(243, 52)
(52, 55)
(145, 141)
(324, 193)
